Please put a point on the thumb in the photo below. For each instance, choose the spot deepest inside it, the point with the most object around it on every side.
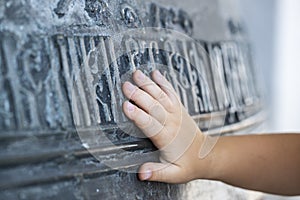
(160, 172)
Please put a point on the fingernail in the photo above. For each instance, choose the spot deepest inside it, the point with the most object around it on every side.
(158, 74)
(130, 87)
(146, 175)
(130, 107)
(140, 75)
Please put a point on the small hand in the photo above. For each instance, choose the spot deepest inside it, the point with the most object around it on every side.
(159, 113)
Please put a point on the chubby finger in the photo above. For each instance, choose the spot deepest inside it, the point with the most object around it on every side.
(160, 172)
(149, 125)
(145, 101)
(152, 89)
(166, 86)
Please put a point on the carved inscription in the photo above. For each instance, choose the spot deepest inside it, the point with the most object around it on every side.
(62, 65)
(82, 76)
(62, 7)
(170, 18)
(130, 16)
(6, 116)
(98, 10)
(207, 81)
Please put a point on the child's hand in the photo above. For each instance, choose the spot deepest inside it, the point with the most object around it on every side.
(159, 113)
(269, 163)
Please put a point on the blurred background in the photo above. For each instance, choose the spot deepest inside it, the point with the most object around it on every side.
(274, 29)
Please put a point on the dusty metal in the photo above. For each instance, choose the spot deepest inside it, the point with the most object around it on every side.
(43, 46)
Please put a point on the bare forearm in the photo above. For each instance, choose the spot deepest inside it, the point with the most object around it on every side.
(269, 163)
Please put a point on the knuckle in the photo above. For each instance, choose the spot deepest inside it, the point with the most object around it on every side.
(153, 107)
(135, 94)
(162, 96)
(158, 175)
(147, 85)
(172, 108)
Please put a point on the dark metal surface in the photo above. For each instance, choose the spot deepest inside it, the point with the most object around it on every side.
(43, 45)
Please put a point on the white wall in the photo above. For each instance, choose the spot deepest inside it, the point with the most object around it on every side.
(286, 82)
(259, 19)
(274, 28)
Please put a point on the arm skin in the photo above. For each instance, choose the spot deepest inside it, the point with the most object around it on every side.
(267, 163)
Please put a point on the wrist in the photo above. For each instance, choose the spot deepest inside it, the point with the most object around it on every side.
(205, 166)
